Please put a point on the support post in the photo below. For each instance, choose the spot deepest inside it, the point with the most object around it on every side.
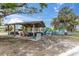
(8, 30)
(14, 29)
(23, 28)
(33, 30)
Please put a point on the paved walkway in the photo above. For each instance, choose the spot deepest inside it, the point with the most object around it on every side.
(72, 52)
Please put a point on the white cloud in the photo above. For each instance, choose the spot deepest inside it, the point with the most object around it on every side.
(60, 4)
(56, 9)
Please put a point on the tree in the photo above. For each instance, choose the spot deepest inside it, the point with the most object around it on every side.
(55, 23)
(10, 8)
(67, 17)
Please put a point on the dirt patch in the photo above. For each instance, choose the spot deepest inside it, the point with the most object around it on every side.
(48, 45)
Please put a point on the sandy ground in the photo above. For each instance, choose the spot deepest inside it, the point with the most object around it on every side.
(47, 46)
(3, 33)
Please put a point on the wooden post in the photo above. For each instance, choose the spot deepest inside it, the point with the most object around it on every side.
(23, 28)
(33, 30)
(24, 31)
(8, 30)
(14, 29)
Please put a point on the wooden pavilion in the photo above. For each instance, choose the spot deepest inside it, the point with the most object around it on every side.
(18, 19)
(33, 25)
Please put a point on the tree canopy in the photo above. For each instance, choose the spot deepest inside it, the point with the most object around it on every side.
(9, 8)
(67, 17)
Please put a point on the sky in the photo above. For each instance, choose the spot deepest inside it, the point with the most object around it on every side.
(52, 11)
